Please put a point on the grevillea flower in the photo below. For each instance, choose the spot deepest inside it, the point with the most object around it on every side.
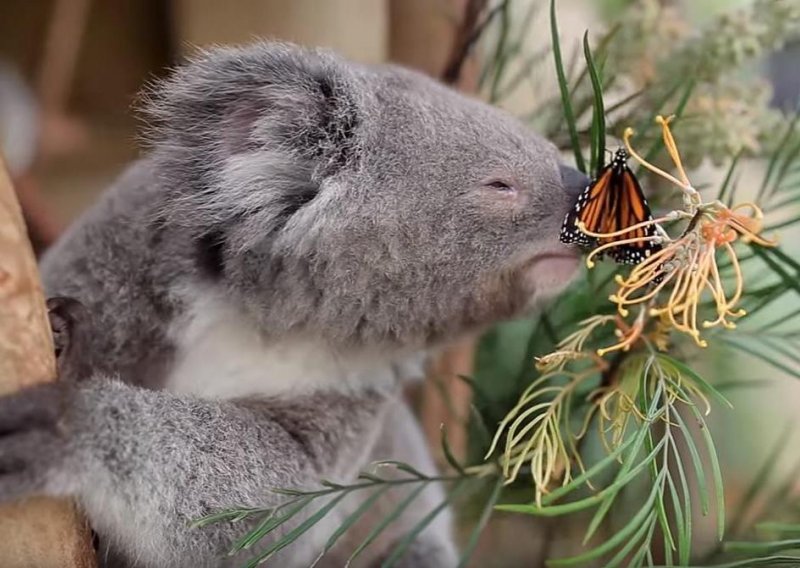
(671, 283)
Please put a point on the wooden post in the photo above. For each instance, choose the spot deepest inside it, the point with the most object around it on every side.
(38, 532)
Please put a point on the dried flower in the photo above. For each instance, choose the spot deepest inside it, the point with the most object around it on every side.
(571, 347)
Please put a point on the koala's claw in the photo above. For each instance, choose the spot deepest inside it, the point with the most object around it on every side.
(30, 439)
(65, 314)
(70, 322)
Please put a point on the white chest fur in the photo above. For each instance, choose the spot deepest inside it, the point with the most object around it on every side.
(221, 355)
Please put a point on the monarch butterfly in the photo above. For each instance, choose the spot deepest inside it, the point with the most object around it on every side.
(612, 202)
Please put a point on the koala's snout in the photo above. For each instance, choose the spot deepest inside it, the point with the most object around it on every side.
(574, 182)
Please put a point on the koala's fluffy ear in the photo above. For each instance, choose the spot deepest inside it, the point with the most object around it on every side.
(234, 100)
(244, 137)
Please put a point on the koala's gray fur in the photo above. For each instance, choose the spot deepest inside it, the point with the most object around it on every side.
(301, 231)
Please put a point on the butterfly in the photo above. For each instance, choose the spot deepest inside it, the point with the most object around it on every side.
(611, 202)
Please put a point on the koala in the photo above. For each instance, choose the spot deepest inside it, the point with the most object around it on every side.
(251, 295)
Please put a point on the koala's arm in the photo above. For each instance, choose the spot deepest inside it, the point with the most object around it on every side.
(145, 464)
(156, 461)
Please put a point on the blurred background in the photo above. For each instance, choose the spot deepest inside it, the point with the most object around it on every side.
(71, 71)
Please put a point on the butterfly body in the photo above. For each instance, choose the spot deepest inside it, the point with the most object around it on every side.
(612, 202)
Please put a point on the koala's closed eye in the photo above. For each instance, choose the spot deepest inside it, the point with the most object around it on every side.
(501, 185)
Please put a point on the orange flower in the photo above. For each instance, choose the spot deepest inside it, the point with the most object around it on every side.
(671, 282)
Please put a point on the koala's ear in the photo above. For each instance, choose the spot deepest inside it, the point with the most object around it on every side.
(243, 139)
(229, 101)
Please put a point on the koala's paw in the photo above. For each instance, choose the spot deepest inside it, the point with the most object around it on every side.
(32, 441)
(71, 325)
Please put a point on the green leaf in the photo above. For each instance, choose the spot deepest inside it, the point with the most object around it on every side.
(697, 461)
(790, 353)
(229, 515)
(760, 480)
(385, 522)
(772, 561)
(716, 470)
(623, 552)
(371, 477)
(598, 144)
(783, 257)
(352, 519)
(773, 162)
(729, 176)
(448, 454)
(640, 436)
(790, 281)
(270, 522)
(501, 54)
(602, 497)
(763, 547)
(791, 528)
(401, 466)
(657, 468)
(569, 115)
(789, 159)
(643, 515)
(697, 379)
(486, 513)
(401, 548)
(775, 292)
(644, 549)
(683, 515)
(296, 532)
(625, 100)
(772, 361)
(485, 438)
(601, 50)
(580, 480)
(684, 100)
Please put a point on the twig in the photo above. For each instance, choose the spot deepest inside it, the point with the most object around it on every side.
(467, 35)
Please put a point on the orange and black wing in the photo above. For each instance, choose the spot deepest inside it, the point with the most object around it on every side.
(631, 209)
(589, 209)
(611, 203)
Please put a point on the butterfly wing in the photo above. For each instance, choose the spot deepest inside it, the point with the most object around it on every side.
(588, 208)
(631, 209)
(609, 204)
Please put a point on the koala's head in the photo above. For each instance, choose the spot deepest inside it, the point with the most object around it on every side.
(366, 205)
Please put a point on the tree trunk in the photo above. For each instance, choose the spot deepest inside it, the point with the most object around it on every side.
(36, 533)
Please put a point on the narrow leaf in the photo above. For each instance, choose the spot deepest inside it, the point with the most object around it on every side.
(296, 532)
(598, 115)
(352, 519)
(569, 115)
(400, 550)
(486, 514)
(385, 522)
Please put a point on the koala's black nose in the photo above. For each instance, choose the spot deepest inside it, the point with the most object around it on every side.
(574, 181)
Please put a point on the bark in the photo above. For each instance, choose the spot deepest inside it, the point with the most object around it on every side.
(39, 532)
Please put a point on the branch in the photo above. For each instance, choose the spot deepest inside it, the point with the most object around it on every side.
(467, 35)
(46, 533)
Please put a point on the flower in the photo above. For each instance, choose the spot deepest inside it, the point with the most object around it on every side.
(671, 283)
